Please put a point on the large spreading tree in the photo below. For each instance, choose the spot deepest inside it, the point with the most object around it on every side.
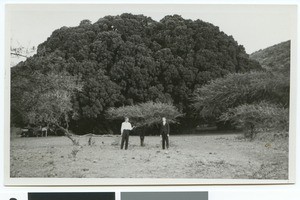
(130, 59)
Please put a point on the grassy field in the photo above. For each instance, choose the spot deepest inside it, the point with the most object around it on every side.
(189, 156)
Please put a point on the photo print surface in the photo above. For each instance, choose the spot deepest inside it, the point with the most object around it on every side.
(176, 93)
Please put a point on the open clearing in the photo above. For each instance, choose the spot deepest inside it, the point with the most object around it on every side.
(225, 156)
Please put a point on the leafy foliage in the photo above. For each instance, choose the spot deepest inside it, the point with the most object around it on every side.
(54, 101)
(236, 89)
(130, 59)
(253, 100)
(49, 100)
(258, 117)
(145, 114)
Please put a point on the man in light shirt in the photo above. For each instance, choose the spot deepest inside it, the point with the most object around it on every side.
(125, 130)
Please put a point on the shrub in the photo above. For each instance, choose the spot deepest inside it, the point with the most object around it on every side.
(258, 117)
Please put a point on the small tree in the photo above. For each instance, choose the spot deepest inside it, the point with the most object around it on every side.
(258, 117)
(145, 114)
(50, 101)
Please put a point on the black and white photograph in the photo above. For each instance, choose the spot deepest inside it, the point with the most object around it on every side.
(150, 93)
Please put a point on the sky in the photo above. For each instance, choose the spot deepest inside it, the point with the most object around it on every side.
(253, 26)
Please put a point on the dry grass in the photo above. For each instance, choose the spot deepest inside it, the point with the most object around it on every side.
(190, 156)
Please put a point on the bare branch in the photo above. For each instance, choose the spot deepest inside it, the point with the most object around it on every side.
(17, 54)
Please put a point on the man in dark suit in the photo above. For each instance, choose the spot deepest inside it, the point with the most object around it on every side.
(164, 133)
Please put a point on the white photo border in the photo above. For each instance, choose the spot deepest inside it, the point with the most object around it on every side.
(8, 181)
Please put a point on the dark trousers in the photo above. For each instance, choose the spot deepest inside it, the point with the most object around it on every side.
(142, 137)
(125, 138)
(165, 141)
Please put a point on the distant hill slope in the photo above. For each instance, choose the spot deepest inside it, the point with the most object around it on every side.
(276, 57)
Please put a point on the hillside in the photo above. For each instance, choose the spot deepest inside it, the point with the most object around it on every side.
(276, 57)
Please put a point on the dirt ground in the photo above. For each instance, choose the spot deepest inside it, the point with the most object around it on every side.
(218, 156)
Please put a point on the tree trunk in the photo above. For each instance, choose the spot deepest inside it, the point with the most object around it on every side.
(75, 142)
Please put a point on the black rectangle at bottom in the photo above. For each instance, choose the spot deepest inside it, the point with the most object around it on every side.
(72, 196)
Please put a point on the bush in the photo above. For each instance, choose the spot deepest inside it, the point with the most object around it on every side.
(258, 117)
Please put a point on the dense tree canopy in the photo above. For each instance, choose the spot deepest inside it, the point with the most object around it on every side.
(130, 59)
